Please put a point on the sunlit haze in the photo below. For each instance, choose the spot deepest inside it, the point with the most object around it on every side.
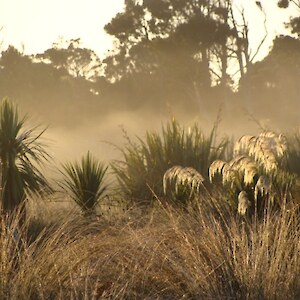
(36, 24)
(32, 26)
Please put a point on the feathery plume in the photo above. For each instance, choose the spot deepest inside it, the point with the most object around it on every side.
(243, 203)
(183, 176)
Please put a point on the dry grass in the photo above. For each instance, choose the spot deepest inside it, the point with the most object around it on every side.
(202, 252)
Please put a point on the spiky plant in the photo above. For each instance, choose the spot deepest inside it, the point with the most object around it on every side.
(144, 163)
(84, 181)
(21, 155)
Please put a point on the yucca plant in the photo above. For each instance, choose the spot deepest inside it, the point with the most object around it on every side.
(145, 162)
(21, 155)
(84, 181)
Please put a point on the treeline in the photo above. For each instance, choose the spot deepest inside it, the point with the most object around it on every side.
(194, 56)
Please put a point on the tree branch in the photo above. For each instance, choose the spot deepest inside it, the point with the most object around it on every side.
(263, 39)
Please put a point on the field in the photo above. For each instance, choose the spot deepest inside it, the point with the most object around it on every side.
(200, 252)
(190, 216)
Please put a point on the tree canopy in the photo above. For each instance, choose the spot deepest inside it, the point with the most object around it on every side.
(194, 55)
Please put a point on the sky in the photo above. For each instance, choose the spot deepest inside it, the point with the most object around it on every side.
(34, 25)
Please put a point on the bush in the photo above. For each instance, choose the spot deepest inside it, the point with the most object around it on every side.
(21, 151)
(140, 173)
(84, 182)
(258, 172)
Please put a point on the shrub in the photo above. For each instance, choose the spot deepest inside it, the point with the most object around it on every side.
(257, 171)
(184, 183)
(144, 163)
(21, 152)
(85, 182)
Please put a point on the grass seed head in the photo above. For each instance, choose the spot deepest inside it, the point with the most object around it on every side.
(243, 203)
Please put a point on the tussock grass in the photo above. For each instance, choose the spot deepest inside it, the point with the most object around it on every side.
(202, 252)
(293, 159)
(259, 171)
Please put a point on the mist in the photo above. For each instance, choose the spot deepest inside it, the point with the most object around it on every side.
(107, 135)
(204, 70)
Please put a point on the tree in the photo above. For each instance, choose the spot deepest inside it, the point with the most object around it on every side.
(70, 56)
(274, 82)
(211, 32)
(294, 23)
(21, 154)
(186, 53)
(143, 30)
(48, 90)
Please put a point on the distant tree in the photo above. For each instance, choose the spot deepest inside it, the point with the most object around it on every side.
(187, 53)
(274, 82)
(206, 31)
(70, 56)
(49, 91)
(294, 23)
(21, 77)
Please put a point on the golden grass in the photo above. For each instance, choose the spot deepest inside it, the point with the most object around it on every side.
(202, 252)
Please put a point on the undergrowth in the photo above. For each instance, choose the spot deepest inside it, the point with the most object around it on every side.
(202, 252)
(141, 170)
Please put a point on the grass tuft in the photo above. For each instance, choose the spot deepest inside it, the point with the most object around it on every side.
(203, 253)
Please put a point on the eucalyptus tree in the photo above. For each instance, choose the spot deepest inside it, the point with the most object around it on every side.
(274, 84)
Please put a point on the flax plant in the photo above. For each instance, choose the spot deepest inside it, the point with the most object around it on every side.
(84, 182)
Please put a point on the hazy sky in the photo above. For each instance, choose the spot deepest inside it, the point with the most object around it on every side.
(36, 24)
(39, 23)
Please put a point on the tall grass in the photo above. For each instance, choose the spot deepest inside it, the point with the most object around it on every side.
(207, 253)
(293, 158)
(145, 162)
(258, 172)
